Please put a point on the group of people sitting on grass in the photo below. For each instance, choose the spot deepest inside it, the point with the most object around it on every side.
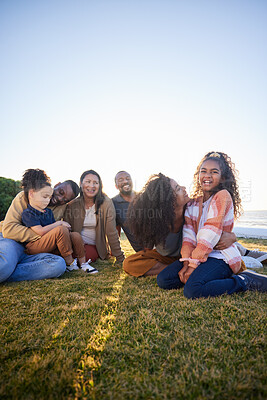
(185, 242)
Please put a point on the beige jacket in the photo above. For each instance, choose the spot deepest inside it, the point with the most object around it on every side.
(12, 227)
(105, 226)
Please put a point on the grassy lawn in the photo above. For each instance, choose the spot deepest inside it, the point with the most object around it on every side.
(111, 336)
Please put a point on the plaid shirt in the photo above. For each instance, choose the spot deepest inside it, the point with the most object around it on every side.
(199, 242)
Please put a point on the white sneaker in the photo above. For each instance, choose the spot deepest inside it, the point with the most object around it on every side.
(86, 267)
(251, 262)
(259, 255)
(73, 266)
(242, 249)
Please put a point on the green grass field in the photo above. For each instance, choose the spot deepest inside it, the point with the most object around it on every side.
(111, 336)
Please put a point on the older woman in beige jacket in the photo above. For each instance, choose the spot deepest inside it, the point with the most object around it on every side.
(93, 215)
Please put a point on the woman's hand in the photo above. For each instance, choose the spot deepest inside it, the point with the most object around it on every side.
(226, 240)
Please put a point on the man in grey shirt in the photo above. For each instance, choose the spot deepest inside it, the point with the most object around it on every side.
(124, 184)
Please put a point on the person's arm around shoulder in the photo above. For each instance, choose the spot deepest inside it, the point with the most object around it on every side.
(111, 231)
(12, 225)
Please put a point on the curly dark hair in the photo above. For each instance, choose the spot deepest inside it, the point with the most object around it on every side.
(229, 182)
(100, 196)
(34, 179)
(151, 214)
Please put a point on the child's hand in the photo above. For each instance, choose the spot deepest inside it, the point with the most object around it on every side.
(185, 272)
(181, 274)
(66, 224)
(182, 271)
(188, 272)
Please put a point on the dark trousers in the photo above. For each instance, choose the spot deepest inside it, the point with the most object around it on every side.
(211, 278)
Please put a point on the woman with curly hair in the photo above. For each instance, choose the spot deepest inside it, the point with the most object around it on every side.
(203, 270)
(155, 218)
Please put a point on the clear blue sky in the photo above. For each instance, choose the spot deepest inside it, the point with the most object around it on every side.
(137, 85)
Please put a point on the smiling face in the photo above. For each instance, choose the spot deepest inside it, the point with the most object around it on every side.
(90, 186)
(62, 194)
(181, 195)
(210, 176)
(39, 199)
(124, 183)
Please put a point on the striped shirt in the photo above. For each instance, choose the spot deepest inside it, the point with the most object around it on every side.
(200, 235)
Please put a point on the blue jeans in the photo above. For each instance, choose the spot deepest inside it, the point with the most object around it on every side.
(211, 278)
(16, 265)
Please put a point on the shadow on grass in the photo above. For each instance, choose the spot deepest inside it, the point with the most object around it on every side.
(164, 346)
(46, 326)
(111, 336)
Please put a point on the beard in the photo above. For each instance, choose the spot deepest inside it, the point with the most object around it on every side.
(126, 192)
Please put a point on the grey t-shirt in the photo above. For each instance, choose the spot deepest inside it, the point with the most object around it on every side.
(121, 207)
(172, 246)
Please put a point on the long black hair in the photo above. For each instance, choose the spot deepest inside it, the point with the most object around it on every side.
(34, 179)
(100, 196)
(151, 214)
